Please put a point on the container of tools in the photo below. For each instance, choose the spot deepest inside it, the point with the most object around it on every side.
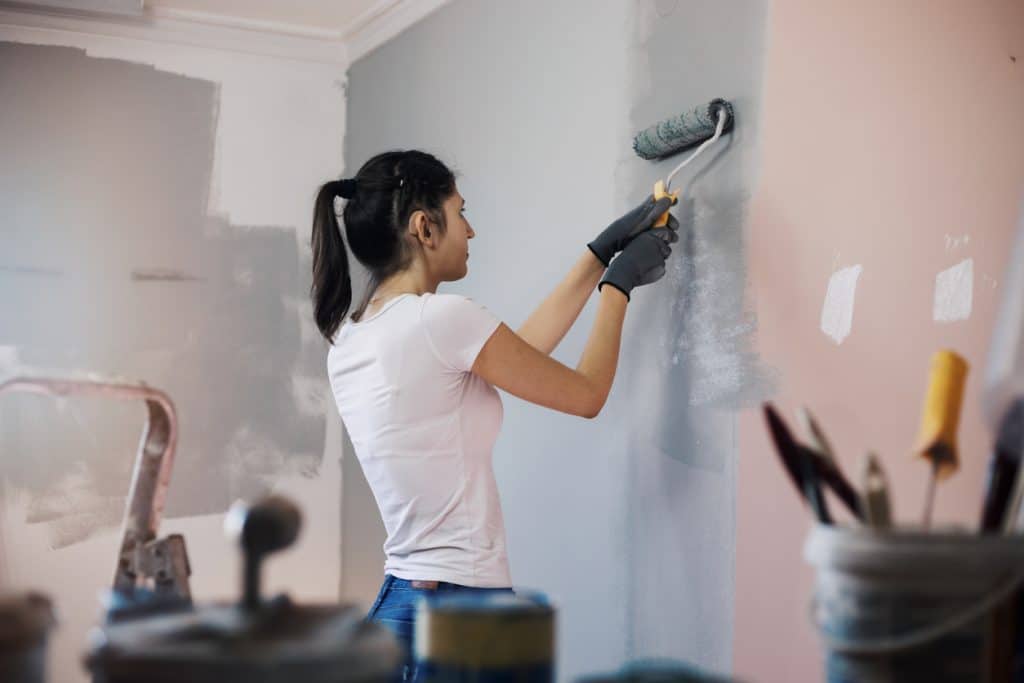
(909, 606)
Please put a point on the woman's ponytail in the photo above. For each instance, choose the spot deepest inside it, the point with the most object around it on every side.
(332, 286)
(382, 196)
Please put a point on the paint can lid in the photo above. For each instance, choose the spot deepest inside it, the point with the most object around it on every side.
(317, 643)
(522, 602)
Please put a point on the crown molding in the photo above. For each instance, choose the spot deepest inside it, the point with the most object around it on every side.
(197, 29)
(383, 21)
(374, 27)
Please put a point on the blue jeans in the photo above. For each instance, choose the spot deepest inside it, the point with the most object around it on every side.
(395, 609)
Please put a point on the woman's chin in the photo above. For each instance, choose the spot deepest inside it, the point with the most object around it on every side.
(457, 273)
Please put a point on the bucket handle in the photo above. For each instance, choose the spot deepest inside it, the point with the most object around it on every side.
(921, 636)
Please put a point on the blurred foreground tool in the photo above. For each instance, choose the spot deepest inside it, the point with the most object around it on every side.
(874, 486)
(258, 639)
(940, 420)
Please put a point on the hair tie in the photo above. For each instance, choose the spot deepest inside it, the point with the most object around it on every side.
(346, 188)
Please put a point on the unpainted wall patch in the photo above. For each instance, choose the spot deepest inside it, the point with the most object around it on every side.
(226, 345)
(954, 293)
(840, 297)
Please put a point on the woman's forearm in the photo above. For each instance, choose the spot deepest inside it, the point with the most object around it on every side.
(550, 322)
(601, 355)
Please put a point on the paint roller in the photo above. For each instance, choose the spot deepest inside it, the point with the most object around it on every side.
(703, 124)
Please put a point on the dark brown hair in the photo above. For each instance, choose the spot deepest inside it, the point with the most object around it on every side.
(380, 199)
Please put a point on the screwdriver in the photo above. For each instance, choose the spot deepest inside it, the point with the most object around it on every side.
(937, 440)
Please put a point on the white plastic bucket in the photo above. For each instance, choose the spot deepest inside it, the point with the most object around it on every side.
(911, 606)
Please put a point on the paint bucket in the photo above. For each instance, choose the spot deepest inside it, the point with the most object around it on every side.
(25, 623)
(910, 606)
(490, 638)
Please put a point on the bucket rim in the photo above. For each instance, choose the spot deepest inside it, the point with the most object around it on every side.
(852, 548)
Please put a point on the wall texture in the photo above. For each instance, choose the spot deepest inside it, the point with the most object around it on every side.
(156, 207)
(688, 348)
(626, 521)
(891, 142)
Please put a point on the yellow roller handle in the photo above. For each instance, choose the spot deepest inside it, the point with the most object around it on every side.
(937, 440)
(659, 192)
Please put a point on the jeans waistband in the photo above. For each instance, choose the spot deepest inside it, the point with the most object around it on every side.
(436, 585)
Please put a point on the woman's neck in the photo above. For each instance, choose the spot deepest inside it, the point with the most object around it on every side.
(410, 281)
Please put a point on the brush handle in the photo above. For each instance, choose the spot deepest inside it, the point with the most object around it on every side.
(840, 485)
(659, 193)
(940, 419)
(1002, 477)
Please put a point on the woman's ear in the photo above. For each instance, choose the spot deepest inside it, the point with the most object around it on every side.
(419, 227)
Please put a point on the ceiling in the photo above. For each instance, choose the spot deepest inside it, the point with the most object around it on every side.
(327, 16)
(332, 31)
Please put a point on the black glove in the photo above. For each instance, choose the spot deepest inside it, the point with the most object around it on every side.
(643, 260)
(616, 236)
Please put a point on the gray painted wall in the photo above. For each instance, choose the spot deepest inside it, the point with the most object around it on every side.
(688, 358)
(112, 264)
(627, 521)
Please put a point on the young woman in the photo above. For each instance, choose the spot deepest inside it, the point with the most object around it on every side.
(414, 372)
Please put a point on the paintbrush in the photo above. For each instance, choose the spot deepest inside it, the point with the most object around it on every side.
(1003, 492)
(815, 434)
(828, 465)
(875, 487)
(799, 463)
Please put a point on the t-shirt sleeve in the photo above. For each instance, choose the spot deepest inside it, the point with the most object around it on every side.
(457, 328)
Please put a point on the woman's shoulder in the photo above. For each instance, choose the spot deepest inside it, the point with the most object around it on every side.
(444, 297)
(441, 306)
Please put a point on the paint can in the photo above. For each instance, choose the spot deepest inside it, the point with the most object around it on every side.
(910, 606)
(489, 638)
(25, 624)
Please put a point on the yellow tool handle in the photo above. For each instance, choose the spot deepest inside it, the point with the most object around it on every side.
(659, 192)
(937, 440)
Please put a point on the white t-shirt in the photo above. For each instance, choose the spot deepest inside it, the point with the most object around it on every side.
(423, 427)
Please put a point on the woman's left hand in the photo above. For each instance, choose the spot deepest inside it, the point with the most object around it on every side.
(616, 236)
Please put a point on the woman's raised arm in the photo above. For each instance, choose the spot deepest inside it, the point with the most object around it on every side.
(508, 362)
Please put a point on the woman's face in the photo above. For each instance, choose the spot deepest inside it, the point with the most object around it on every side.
(455, 243)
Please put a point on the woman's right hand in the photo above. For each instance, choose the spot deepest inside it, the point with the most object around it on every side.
(616, 236)
(643, 260)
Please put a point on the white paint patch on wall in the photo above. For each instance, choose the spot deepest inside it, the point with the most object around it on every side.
(954, 293)
(837, 312)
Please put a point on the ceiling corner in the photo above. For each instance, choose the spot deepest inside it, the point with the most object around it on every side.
(383, 21)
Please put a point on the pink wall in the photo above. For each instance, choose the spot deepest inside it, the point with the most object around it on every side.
(888, 126)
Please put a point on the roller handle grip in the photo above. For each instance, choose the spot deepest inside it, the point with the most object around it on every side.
(659, 193)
